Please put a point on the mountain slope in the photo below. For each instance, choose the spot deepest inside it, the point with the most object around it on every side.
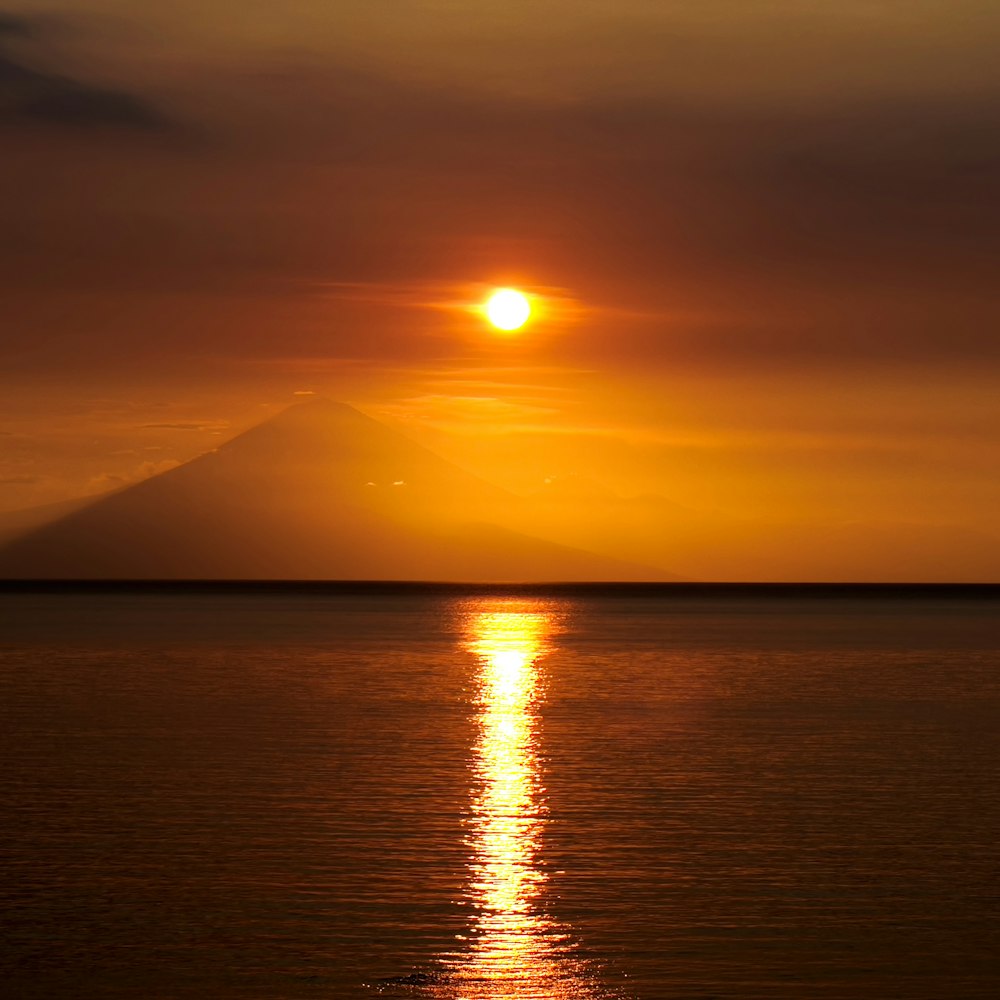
(15, 523)
(318, 492)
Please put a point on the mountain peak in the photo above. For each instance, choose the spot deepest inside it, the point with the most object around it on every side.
(332, 445)
(316, 408)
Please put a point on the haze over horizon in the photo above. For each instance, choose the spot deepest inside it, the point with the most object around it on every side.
(322, 492)
(761, 241)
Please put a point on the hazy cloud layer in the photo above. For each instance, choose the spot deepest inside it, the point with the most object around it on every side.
(857, 230)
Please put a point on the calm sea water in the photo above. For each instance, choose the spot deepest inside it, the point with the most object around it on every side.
(308, 795)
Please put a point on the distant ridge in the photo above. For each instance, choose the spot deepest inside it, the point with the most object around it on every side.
(671, 590)
(318, 492)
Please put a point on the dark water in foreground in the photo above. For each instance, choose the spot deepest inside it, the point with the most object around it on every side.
(463, 797)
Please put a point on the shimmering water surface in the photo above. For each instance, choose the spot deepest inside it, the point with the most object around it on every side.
(457, 797)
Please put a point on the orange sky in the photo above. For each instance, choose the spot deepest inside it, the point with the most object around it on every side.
(766, 235)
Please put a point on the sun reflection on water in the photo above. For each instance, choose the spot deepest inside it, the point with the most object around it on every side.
(507, 805)
(514, 949)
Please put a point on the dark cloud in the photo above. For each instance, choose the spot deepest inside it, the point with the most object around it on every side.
(14, 24)
(66, 102)
(29, 95)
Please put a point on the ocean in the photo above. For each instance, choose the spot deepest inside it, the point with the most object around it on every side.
(554, 794)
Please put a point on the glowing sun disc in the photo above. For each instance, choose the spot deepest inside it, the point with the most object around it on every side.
(508, 309)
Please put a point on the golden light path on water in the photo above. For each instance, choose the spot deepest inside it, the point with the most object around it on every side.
(513, 950)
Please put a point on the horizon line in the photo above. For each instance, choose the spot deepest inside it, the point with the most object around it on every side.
(693, 588)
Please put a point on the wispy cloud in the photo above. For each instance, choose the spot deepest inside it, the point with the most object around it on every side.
(189, 425)
(467, 415)
(105, 481)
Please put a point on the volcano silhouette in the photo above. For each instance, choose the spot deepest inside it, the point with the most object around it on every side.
(320, 491)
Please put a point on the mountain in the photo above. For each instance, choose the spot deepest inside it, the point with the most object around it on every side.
(320, 491)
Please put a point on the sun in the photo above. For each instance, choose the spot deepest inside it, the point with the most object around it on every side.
(508, 309)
